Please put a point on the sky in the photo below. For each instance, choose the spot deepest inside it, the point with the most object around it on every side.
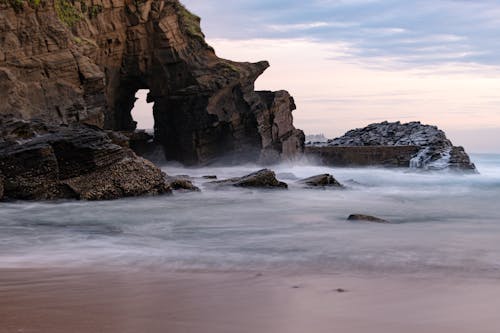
(349, 63)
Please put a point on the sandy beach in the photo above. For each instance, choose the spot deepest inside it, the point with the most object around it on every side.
(59, 300)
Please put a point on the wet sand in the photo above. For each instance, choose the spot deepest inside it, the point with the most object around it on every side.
(63, 300)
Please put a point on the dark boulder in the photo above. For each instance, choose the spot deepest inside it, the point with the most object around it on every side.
(44, 162)
(325, 180)
(181, 183)
(366, 218)
(264, 178)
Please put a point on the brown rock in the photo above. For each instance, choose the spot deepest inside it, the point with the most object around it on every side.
(87, 67)
(325, 180)
(366, 218)
(264, 178)
(80, 162)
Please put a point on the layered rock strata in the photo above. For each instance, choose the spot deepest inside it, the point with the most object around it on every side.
(82, 61)
(395, 144)
(42, 162)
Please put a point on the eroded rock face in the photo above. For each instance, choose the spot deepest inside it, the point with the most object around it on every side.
(433, 150)
(42, 162)
(86, 68)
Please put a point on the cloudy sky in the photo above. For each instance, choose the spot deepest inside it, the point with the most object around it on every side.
(349, 63)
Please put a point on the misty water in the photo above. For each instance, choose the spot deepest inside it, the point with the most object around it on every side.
(442, 223)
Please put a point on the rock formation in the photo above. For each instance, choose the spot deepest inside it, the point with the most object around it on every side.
(324, 180)
(264, 179)
(181, 183)
(413, 145)
(42, 162)
(82, 61)
(366, 218)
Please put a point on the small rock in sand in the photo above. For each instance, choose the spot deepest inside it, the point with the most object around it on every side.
(366, 218)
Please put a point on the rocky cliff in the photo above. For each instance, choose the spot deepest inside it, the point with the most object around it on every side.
(82, 62)
(412, 145)
(41, 162)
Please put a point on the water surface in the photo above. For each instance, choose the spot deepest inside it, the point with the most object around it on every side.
(442, 223)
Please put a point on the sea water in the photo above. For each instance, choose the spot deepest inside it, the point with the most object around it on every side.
(442, 223)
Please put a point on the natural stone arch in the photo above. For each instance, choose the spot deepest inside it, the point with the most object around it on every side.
(204, 107)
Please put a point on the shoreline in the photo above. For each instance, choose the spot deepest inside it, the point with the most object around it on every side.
(136, 300)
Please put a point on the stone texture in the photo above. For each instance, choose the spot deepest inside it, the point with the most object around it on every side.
(181, 183)
(42, 162)
(265, 179)
(366, 218)
(325, 180)
(435, 150)
(357, 156)
(88, 71)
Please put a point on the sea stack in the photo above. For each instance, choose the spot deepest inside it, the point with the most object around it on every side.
(412, 145)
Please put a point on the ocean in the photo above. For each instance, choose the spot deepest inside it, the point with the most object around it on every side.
(442, 223)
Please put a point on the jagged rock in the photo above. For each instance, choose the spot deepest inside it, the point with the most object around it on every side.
(429, 147)
(366, 218)
(43, 162)
(325, 180)
(127, 178)
(181, 183)
(264, 178)
(210, 177)
(86, 67)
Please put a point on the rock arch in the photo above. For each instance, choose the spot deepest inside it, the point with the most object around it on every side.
(89, 70)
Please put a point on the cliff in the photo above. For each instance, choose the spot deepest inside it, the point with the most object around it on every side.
(81, 62)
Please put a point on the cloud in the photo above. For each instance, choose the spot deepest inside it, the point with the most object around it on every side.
(309, 26)
(410, 31)
(335, 94)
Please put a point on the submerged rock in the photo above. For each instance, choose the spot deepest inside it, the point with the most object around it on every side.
(264, 178)
(181, 183)
(412, 145)
(366, 218)
(42, 162)
(325, 180)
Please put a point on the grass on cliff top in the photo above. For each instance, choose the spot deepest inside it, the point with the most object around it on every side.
(191, 22)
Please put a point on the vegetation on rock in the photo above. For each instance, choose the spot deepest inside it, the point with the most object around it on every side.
(191, 22)
(67, 12)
